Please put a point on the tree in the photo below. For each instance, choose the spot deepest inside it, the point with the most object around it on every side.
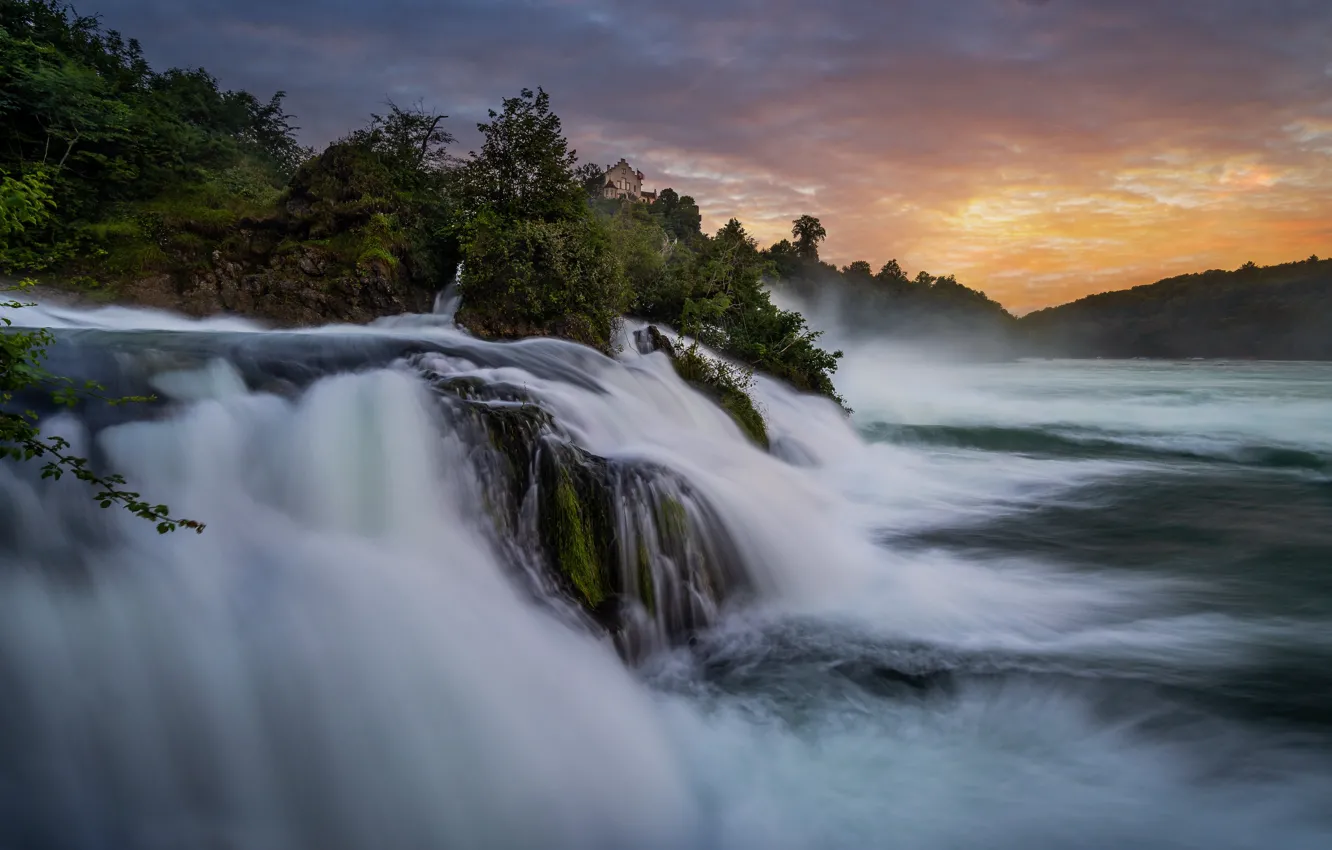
(71, 104)
(530, 276)
(786, 264)
(592, 178)
(525, 169)
(891, 273)
(270, 132)
(679, 216)
(808, 232)
(25, 202)
(858, 269)
(410, 139)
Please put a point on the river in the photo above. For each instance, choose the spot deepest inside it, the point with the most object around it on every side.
(1018, 605)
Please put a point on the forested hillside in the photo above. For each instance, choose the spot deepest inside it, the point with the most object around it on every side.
(1281, 312)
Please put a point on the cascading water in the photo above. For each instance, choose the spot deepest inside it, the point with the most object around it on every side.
(372, 645)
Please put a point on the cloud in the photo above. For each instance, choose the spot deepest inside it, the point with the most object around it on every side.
(1037, 149)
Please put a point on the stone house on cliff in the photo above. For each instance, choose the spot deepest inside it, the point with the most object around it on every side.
(622, 181)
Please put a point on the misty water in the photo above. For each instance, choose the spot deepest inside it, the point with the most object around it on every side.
(1010, 605)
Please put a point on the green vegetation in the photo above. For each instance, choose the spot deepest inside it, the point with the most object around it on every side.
(724, 383)
(574, 546)
(544, 253)
(164, 187)
(126, 153)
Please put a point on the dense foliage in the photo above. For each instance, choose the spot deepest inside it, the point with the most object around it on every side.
(545, 253)
(117, 143)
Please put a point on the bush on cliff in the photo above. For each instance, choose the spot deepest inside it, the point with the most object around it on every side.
(530, 277)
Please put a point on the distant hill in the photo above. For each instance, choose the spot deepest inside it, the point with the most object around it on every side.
(1281, 312)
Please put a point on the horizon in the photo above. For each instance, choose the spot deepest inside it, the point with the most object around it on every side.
(1038, 150)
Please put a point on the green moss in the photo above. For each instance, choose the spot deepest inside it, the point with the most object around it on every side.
(575, 548)
(372, 252)
(514, 432)
(672, 519)
(647, 591)
(741, 408)
(381, 241)
(723, 384)
(572, 519)
(135, 257)
(113, 229)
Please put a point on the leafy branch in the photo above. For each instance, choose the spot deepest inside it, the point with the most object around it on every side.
(110, 494)
(21, 353)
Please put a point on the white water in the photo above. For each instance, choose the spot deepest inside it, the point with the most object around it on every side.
(340, 660)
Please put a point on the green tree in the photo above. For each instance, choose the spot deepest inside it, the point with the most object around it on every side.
(525, 169)
(592, 178)
(410, 140)
(533, 277)
(25, 201)
(859, 269)
(808, 233)
(72, 105)
(679, 215)
(892, 273)
(786, 263)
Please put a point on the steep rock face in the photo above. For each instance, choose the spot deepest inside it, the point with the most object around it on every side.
(304, 286)
(638, 551)
(332, 248)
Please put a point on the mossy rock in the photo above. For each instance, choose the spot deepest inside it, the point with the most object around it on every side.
(338, 190)
(614, 537)
(706, 377)
(576, 523)
(568, 522)
(574, 527)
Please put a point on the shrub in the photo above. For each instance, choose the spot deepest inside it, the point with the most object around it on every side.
(558, 278)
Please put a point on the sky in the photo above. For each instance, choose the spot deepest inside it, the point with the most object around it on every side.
(1039, 150)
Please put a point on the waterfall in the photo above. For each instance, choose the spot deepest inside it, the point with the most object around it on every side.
(376, 613)
(455, 593)
(449, 298)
